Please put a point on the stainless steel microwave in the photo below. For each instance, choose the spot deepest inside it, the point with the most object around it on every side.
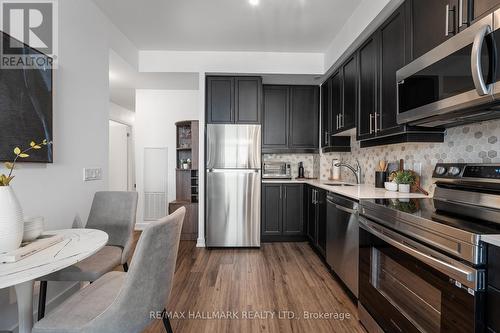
(456, 82)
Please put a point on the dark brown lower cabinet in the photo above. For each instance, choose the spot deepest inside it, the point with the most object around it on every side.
(282, 212)
(316, 218)
(190, 225)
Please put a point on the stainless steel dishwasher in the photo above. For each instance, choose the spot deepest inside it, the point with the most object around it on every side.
(342, 242)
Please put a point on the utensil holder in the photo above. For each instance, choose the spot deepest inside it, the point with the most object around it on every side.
(380, 179)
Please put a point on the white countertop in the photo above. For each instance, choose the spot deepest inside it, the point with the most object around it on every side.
(491, 239)
(357, 192)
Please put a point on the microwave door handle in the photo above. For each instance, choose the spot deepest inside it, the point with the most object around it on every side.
(476, 67)
(464, 276)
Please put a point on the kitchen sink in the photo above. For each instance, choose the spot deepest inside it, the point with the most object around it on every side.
(338, 184)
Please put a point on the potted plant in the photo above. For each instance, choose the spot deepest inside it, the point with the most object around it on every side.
(405, 179)
(185, 164)
(11, 214)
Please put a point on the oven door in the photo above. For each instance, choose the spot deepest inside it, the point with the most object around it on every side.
(407, 287)
(452, 82)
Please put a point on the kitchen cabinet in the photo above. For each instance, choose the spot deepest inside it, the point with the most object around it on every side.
(482, 7)
(290, 119)
(326, 112)
(282, 212)
(368, 87)
(394, 54)
(493, 291)
(435, 21)
(349, 95)
(304, 117)
(234, 100)
(316, 219)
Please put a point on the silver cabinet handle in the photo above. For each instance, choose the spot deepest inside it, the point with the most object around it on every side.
(340, 120)
(337, 119)
(447, 21)
(284, 191)
(477, 69)
(460, 13)
(454, 269)
(375, 121)
(371, 123)
(327, 141)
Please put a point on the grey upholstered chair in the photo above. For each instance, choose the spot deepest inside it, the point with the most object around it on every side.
(123, 302)
(115, 213)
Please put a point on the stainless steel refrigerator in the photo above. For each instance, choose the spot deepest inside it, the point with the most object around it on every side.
(233, 176)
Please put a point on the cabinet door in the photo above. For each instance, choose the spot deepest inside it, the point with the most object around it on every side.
(304, 117)
(429, 19)
(311, 214)
(350, 79)
(293, 222)
(393, 53)
(275, 117)
(321, 208)
(220, 100)
(482, 7)
(336, 104)
(248, 100)
(271, 210)
(326, 112)
(368, 75)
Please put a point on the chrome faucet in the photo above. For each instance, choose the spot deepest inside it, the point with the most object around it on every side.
(356, 171)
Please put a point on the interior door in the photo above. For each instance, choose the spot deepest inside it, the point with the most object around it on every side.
(233, 208)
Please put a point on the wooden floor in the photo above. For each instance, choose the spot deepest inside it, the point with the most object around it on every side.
(279, 277)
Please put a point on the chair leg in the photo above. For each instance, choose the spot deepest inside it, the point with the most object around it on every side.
(42, 298)
(166, 322)
(125, 267)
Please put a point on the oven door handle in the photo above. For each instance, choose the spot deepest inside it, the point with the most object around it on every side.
(465, 275)
(477, 69)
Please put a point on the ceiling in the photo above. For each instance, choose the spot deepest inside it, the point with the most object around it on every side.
(230, 25)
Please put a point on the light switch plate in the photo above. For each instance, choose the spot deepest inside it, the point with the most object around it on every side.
(90, 174)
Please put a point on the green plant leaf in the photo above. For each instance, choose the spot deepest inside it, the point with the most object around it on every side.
(24, 155)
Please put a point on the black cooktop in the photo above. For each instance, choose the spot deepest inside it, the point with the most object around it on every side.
(425, 209)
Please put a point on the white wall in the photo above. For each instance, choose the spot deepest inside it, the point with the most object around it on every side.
(157, 111)
(81, 102)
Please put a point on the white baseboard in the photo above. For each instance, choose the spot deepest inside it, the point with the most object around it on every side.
(200, 242)
(141, 225)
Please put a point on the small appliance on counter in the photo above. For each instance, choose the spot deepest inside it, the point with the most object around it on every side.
(335, 170)
(276, 170)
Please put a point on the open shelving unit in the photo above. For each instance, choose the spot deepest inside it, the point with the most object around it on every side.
(186, 176)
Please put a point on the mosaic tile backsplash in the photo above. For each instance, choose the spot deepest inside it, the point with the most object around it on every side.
(476, 143)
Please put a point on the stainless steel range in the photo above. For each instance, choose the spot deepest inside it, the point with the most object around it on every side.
(422, 262)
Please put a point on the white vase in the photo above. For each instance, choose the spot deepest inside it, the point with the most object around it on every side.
(11, 220)
(404, 188)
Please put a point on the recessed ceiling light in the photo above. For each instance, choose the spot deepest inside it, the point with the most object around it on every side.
(254, 2)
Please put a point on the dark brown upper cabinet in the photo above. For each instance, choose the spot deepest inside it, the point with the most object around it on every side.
(394, 54)
(368, 87)
(434, 21)
(304, 117)
(275, 117)
(347, 118)
(482, 7)
(290, 119)
(234, 100)
(326, 113)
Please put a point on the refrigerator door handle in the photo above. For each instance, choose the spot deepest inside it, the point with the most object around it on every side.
(233, 170)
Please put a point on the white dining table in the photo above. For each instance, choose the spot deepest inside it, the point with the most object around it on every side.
(77, 245)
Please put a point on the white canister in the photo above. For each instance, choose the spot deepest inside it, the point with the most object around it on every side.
(335, 170)
(11, 220)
